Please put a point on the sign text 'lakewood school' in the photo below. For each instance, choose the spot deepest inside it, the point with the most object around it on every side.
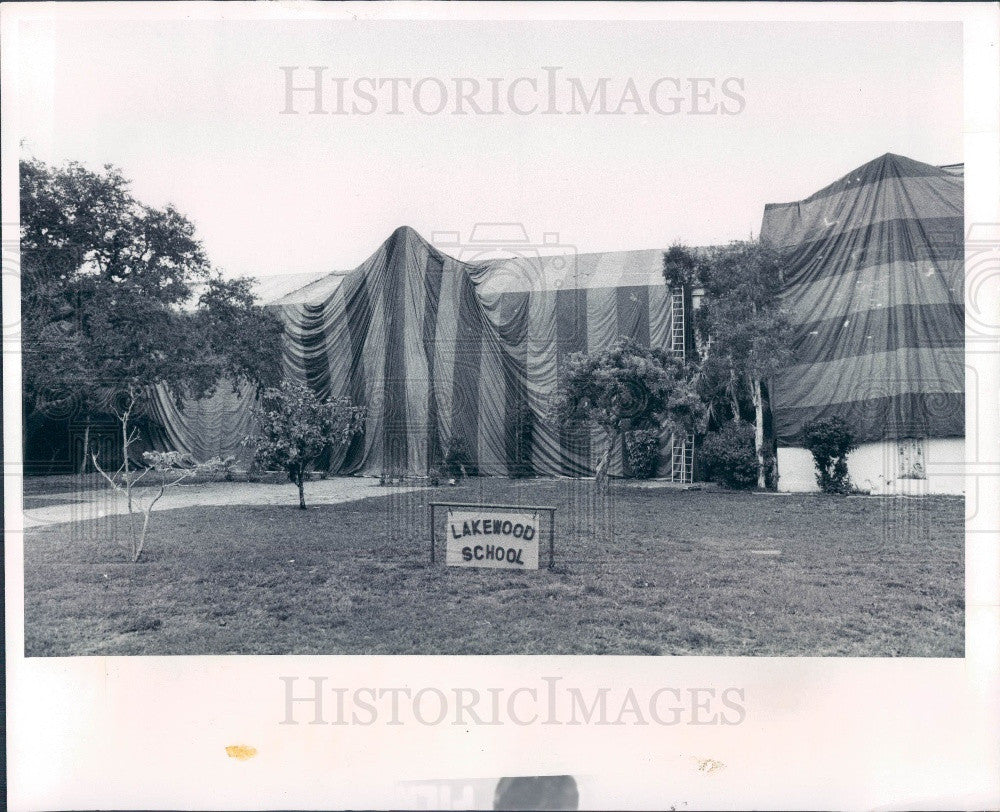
(488, 539)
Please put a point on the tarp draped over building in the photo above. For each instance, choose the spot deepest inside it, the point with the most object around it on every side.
(874, 289)
(215, 426)
(439, 350)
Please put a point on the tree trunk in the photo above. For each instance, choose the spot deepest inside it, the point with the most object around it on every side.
(86, 446)
(302, 490)
(128, 482)
(758, 439)
(137, 550)
(601, 472)
(734, 399)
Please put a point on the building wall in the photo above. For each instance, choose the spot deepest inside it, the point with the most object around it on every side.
(877, 467)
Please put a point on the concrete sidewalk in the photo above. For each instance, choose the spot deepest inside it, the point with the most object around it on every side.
(82, 506)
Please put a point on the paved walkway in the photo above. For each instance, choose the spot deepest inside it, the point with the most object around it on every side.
(81, 506)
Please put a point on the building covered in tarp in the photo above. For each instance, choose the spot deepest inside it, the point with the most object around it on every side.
(442, 351)
(445, 353)
(874, 289)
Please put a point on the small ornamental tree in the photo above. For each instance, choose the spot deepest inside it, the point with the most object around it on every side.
(830, 441)
(294, 427)
(628, 388)
(169, 468)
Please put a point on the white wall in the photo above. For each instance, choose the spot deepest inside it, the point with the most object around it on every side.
(875, 467)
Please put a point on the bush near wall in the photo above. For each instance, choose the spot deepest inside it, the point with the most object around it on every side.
(458, 459)
(729, 457)
(830, 440)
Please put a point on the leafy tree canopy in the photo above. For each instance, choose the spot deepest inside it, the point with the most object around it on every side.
(240, 332)
(741, 309)
(78, 223)
(109, 299)
(744, 331)
(628, 388)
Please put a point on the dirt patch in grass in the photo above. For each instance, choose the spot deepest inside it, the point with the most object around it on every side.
(638, 571)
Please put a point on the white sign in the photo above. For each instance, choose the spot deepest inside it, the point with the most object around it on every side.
(484, 538)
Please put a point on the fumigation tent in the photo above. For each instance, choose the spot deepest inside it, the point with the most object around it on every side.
(439, 350)
(874, 288)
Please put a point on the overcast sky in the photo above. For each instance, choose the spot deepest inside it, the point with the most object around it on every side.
(191, 113)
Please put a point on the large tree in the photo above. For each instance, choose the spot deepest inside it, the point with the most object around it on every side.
(110, 304)
(746, 331)
(628, 388)
(242, 334)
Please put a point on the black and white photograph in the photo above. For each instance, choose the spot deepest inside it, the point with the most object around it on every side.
(644, 340)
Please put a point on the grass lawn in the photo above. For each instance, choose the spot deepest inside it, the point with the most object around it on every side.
(638, 571)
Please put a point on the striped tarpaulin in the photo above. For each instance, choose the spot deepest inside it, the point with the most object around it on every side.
(874, 289)
(439, 350)
(215, 426)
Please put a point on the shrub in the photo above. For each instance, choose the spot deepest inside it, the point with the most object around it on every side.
(227, 468)
(458, 459)
(830, 440)
(642, 453)
(729, 456)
